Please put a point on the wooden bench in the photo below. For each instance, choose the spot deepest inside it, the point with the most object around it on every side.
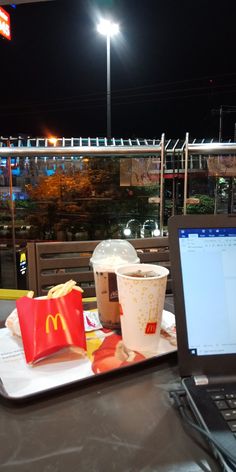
(52, 263)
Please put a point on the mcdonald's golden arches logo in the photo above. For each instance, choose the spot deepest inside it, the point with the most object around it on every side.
(54, 322)
(151, 328)
(23, 257)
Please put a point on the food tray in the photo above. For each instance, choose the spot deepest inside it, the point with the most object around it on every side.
(105, 354)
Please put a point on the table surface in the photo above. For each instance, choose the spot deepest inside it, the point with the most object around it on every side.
(124, 422)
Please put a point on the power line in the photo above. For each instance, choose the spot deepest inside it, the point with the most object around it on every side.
(139, 98)
(191, 92)
(101, 95)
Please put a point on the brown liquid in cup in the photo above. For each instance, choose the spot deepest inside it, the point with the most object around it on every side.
(107, 299)
(141, 275)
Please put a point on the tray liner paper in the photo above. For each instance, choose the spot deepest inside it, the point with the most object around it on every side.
(48, 325)
(105, 353)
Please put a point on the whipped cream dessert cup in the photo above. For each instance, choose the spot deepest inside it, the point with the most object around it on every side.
(107, 256)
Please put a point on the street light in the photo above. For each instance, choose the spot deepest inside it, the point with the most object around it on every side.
(132, 226)
(108, 29)
(152, 227)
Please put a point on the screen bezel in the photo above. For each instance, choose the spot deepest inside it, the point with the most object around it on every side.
(189, 364)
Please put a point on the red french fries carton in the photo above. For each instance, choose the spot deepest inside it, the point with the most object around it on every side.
(50, 324)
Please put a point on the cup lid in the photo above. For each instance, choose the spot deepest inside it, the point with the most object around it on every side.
(114, 252)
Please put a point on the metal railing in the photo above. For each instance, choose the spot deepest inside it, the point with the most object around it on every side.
(75, 147)
(85, 144)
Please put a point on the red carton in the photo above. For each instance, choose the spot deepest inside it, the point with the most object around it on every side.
(50, 324)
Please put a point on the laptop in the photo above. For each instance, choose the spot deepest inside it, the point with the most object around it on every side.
(203, 266)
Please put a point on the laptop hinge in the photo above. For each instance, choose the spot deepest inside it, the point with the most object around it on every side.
(201, 380)
(218, 379)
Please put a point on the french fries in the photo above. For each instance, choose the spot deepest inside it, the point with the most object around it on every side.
(59, 290)
(12, 321)
(62, 289)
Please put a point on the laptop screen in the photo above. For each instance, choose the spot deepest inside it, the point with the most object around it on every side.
(208, 265)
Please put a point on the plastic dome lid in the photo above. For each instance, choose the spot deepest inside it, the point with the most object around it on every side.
(113, 252)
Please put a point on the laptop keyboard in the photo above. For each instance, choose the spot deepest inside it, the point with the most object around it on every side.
(226, 403)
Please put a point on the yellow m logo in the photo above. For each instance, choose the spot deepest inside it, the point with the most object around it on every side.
(151, 328)
(23, 257)
(54, 320)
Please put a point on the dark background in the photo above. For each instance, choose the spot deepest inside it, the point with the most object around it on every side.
(172, 67)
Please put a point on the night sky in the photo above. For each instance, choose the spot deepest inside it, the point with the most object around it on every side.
(172, 67)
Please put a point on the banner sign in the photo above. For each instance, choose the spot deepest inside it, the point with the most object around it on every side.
(140, 171)
(222, 166)
(5, 27)
(145, 171)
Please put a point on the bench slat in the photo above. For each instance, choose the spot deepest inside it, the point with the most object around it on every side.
(60, 263)
(52, 263)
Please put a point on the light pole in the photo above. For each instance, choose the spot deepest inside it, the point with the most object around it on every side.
(108, 29)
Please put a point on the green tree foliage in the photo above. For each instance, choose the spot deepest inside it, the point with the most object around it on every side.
(205, 205)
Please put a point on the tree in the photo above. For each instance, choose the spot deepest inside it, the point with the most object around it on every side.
(205, 205)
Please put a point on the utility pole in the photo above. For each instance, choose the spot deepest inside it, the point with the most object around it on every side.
(223, 110)
(220, 123)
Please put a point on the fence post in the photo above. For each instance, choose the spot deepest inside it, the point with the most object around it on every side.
(162, 182)
(186, 173)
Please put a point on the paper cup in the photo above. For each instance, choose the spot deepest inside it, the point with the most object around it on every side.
(141, 301)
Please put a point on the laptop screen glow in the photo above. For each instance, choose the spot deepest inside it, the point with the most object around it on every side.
(208, 263)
